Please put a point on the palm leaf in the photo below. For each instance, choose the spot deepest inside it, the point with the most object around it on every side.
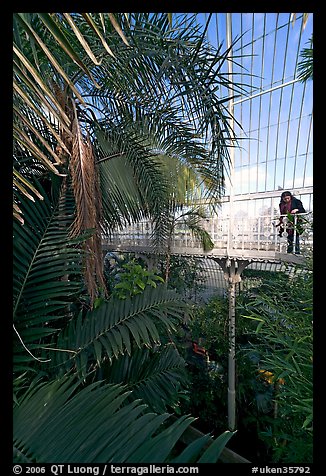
(132, 183)
(60, 35)
(47, 267)
(110, 330)
(305, 65)
(166, 78)
(153, 376)
(27, 27)
(93, 424)
(193, 220)
(39, 87)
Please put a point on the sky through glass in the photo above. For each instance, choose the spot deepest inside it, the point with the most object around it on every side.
(275, 142)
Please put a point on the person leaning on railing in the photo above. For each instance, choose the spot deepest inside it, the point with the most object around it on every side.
(289, 206)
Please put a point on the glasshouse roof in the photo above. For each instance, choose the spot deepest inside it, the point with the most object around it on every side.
(275, 113)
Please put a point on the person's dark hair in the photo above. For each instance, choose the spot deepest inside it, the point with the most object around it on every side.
(286, 194)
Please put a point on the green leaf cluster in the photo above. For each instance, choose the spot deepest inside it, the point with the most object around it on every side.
(133, 280)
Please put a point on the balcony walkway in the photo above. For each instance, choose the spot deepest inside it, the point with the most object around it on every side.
(251, 240)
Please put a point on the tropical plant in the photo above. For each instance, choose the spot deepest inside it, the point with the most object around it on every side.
(305, 64)
(48, 272)
(186, 275)
(283, 340)
(191, 220)
(207, 383)
(186, 213)
(133, 280)
(60, 338)
(97, 97)
(95, 425)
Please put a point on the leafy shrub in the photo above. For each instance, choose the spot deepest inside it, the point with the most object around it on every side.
(128, 277)
(283, 339)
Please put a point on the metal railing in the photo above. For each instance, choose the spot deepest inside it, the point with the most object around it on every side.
(254, 234)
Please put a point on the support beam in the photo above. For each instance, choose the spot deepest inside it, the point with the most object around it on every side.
(232, 269)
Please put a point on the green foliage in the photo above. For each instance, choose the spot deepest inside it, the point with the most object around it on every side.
(185, 275)
(205, 396)
(208, 325)
(296, 223)
(133, 280)
(192, 219)
(155, 375)
(87, 422)
(48, 274)
(283, 339)
(95, 424)
(122, 339)
(306, 63)
(115, 327)
(273, 366)
(133, 90)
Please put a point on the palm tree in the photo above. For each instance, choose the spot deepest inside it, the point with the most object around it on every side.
(97, 98)
(152, 89)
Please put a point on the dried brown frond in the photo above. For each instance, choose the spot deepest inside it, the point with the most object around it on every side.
(85, 185)
(63, 150)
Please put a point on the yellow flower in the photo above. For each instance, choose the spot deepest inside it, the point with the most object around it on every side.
(269, 377)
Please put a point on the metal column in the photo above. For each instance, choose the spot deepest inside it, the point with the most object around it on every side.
(231, 360)
(232, 269)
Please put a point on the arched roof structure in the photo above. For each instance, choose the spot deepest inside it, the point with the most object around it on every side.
(275, 139)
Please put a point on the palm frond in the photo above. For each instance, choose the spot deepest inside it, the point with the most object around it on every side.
(95, 425)
(179, 102)
(47, 268)
(212, 453)
(111, 330)
(27, 27)
(306, 63)
(193, 220)
(133, 184)
(153, 376)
